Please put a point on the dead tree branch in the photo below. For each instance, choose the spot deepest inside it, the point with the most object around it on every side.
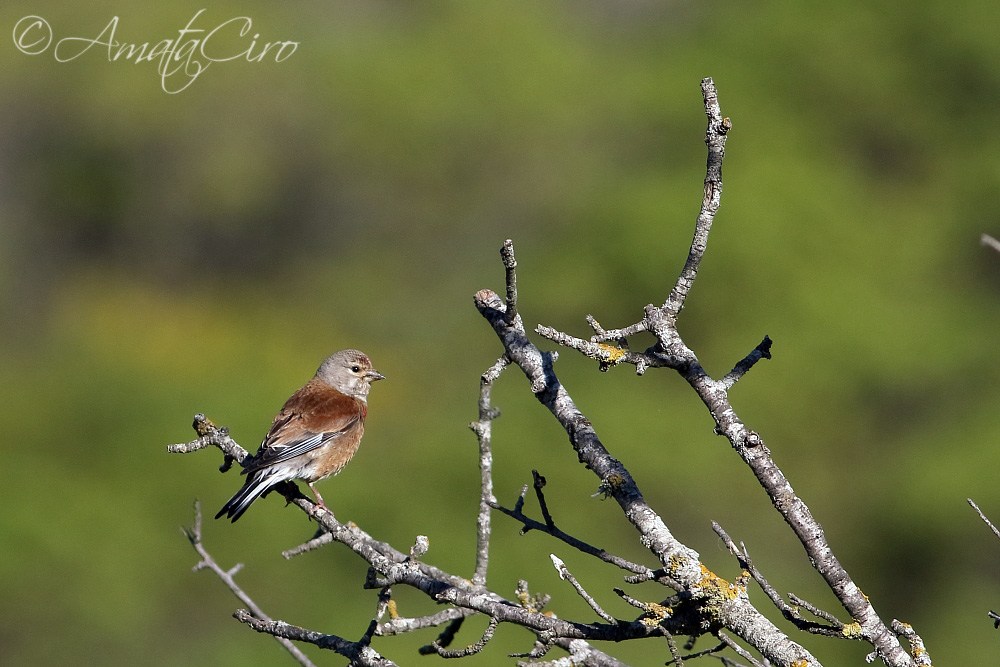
(701, 603)
(671, 351)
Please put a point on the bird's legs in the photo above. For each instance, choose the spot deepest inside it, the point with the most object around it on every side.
(319, 498)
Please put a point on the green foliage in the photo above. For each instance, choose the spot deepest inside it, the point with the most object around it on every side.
(163, 255)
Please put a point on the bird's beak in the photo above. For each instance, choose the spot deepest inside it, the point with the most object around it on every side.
(374, 375)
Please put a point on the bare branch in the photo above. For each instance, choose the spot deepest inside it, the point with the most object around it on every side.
(762, 351)
(363, 656)
(444, 639)
(602, 336)
(989, 242)
(982, 516)
(226, 576)
(472, 649)
(510, 264)
(483, 431)
(679, 560)
(789, 612)
(564, 573)
(538, 482)
(920, 655)
(383, 605)
(642, 571)
(314, 543)
(742, 652)
(399, 626)
(209, 435)
(662, 322)
(715, 139)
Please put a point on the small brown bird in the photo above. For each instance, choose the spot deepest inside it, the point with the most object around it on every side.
(315, 434)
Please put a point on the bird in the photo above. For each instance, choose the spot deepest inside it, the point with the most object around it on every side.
(315, 434)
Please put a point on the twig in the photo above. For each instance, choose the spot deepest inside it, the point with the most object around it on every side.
(642, 571)
(982, 516)
(581, 654)
(715, 139)
(483, 431)
(789, 612)
(542, 646)
(538, 481)
(364, 656)
(674, 653)
(742, 652)
(384, 600)
(708, 651)
(399, 626)
(817, 612)
(762, 351)
(444, 639)
(472, 649)
(564, 573)
(990, 242)
(510, 264)
(209, 435)
(207, 562)
(917, 649)
(602, 336)
(314, 543)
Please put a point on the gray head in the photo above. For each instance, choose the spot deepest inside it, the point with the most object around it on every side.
(349, 372)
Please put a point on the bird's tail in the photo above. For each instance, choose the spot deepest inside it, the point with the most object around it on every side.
(258, 483)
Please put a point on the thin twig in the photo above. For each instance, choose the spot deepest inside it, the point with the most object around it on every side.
(363, 656)
(208, 562)
(314, 543)
(789, 612)
(210, 435)
(472, 649)
(444, 639)
(384, 600)
(715, 139)
(399, 625)
(538, 481)
(983, 517)
(762, 351)
(708, 651)
(917, 649)
(602, 336)
(483, 431)
(990, 242)
(742, 652)
(510, 264)
(642, 571)
(564, 573)
(674, 653)
(838, 625)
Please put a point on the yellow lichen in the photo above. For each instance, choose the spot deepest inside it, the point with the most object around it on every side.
(852, 630)
(713, 583)
(614, 354)
(391, 608)
(655, 613)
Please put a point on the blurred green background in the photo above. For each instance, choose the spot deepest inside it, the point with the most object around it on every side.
(167, 254)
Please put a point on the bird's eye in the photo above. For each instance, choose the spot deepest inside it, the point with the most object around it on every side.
(355, 368)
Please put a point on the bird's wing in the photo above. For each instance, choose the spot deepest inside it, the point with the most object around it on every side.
(309, 420)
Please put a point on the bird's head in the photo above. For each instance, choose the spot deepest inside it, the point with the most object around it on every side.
(349, 372)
